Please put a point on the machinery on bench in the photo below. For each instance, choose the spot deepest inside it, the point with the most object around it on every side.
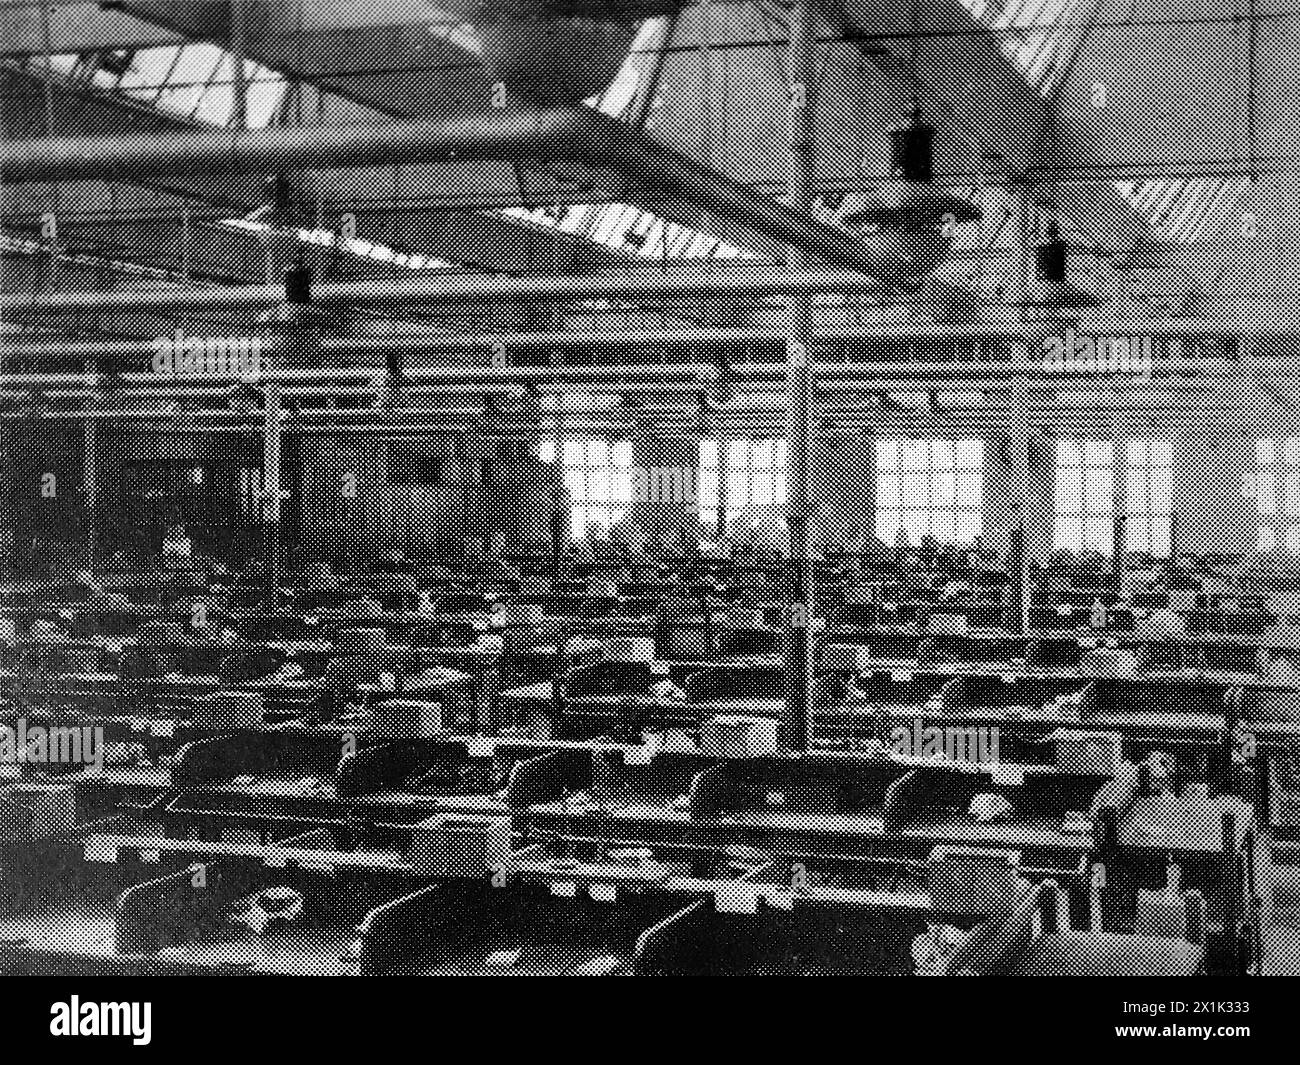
(647, 818)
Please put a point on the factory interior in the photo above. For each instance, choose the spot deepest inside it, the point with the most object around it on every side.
(649, 487)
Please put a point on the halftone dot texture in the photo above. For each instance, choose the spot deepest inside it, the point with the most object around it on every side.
(333, 830)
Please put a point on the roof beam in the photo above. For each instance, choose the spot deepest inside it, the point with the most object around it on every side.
(499, 243)
(79, 27)
(380, 55)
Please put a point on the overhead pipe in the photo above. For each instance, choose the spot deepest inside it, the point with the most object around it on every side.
(764, 421)
(1054, 382)
(284, 376)
(406, 343)
(361, 413)
(78, 349)
(686, 375)
(253, 429)
(364, 430)
(488, 375)
(978, 409)
(897, 412)
(828, 384)
(698, 372)
(958, 429)
(1003, 368)
(583, 288)
(353, 391)
(754, 406)
(89, 413)
(632, 286)
(99, 392)
(580, 135)
(478, 289)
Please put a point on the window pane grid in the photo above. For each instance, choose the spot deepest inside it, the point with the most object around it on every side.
(1148, 496)
(929, 488)
(1085, 496)
(1277, 497)
(752, 473)
(598, 479)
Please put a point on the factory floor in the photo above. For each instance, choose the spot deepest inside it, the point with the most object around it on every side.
(1279, 888)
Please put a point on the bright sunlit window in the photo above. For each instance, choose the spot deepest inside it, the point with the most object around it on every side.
(598, 479)
(1085, 495)
(193, 81)
(929, 488)
(1278, 494)
(740, 475)
(1148, 496)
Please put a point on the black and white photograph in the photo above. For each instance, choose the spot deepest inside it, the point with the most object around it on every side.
(649, 488)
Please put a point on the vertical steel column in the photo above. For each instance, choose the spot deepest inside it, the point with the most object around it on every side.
(272, 431)
(90, 472)
(1121, 520)
(712, 419)
(1022, 448)
(561, 531)
(47, 42)
(799, 584)
(239, 81)
(1119, 491)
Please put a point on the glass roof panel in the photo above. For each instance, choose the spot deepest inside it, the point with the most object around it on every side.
(1041, 38)
(191, 81)
(195, 64)
(622, 226)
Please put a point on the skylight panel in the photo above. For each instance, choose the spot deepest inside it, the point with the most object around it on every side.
(1184, 211)
(195, 64)
(1040, 37)
(192, 81)
(363, 249)
(148, 72)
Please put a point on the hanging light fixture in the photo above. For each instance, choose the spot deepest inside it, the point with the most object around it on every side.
(909, 206)
(297, 308)
(281, 221)
(909, 200)
(1051, 288)
(291, 330)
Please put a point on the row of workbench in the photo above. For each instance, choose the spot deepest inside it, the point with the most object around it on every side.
(406, 842)
(580, 804)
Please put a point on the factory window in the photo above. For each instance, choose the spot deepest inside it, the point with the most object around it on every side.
(747, 474)
(1085, 495)
(598, 479)
(929, 488)
(1148, 496)
(1278, 494)
(707, 497)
